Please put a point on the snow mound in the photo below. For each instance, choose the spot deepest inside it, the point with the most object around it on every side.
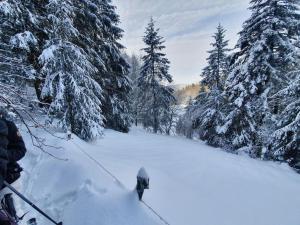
(143, 174)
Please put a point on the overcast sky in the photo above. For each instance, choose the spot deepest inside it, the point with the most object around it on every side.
(186, 25)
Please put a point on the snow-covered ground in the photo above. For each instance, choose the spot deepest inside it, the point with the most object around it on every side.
(190, 183)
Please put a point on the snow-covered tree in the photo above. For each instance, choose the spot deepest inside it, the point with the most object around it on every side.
(135, 101)
(74, 58)
(207, 120)
(214, 75)
(73, 94)
(266, 53)
(169, 120)
(15, 44)
(285, 141)
(206, 113)
(194, 107)
(154, 77)
(135, 66)
(97, 22)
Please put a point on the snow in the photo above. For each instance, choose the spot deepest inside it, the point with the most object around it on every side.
(143, 174)
(23, 40)
(48, 54)
(5, 8)
(191, 183)
(77, 191)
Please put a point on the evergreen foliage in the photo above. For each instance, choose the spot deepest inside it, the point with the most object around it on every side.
(154, 77)
(75, 97)
(207, 111)
(214, 75)
(69, 51)
(15, 44)
(285, 140)
(75, 60)
(136, 102)
(266, 55)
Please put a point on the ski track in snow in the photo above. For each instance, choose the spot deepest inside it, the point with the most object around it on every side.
(190, 183)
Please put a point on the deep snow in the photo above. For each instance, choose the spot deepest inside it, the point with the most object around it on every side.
(190, 183)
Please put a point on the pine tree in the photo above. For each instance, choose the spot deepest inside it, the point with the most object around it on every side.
(135, 66)
(157, 96)
(15, 43)
(117, 85)
(207, 111)
(214, 75)
(97, 23)
(75, 98)
(212, 114)
(100, 21)
(285, 141)
(266, 54)
(72, 45)
(135, 101)
(37, 23)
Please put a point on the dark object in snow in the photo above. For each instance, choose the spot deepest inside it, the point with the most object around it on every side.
(3, 112)
(13, 172)
(12, 149)
(32, 221)
(3, 148)
(142, 182)
(30, 203)
(5, 219)
(8, 205)
(8, 215)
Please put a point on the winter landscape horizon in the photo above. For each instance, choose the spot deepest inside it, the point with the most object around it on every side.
(150, 112)
(187, 27)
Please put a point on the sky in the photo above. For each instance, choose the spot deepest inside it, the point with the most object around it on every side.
(186, 25)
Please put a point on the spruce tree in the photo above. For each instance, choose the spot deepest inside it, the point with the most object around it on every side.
(154, 77)
(211, 116)
(70, 46)
(266, 53)
(97, 23)
(16, 42)
(185, 125)
(136, 92)
(214, 75)
(75, 98)
(285, 141)
(135, 66)
(206, 113)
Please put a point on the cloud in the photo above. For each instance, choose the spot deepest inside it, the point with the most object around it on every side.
(187, 26)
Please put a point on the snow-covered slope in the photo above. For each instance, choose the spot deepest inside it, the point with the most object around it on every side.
(190, 183)
(76, 191)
